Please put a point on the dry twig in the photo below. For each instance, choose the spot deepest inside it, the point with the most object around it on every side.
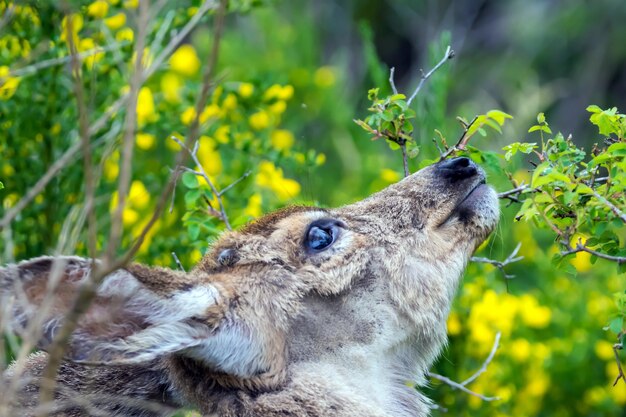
(502, 264)
(462, 386)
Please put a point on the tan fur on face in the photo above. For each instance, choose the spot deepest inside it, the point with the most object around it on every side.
(264, 326)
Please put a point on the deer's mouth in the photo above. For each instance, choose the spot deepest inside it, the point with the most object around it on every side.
(478, 198)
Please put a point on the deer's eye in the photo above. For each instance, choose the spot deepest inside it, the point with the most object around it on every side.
(321, 234)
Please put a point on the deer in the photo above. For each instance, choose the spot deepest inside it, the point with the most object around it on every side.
(304, 312)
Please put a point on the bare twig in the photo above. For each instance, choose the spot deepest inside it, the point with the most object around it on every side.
(128, 140)
(620, 375)
(85, 138)
(582, 248)
(391, 80)
(449, 54)
(405, 160)
(461, 143)
(502, 264)
(178, 263)
(462, 386)
(487, 361)
(38, 66)
(221, 214)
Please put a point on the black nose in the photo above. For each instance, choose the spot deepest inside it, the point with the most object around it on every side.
(457, 169)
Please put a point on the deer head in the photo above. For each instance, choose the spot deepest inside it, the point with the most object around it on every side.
(353, 300)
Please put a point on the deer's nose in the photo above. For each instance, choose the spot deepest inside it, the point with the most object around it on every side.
(457, 169)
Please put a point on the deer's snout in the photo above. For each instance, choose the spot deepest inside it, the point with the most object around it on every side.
(457, 169)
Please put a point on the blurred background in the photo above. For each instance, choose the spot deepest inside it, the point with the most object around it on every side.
(291, 78)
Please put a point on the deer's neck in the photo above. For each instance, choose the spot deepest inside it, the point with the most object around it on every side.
(361, 348)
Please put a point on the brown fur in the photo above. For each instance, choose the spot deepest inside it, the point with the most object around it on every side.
(264, 326)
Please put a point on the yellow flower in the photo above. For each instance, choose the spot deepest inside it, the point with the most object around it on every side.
(8, 84)
(320, 159)
(195, 256)
(145, 140)
(116, 21)
(222, 134)
(520, 350)
(98, 9)
(278, 108)
(271, 177)
(145, 106)
(125, 34)
(245, 90)
(212, 111)
(230, 102)
(253, 209)
(76, 23)
(279, 92)
(389, 175)
(185, 60)
(282, 139)
(88, 44)
(129, 216)
(209, 156)
(604, 350)
(454, 324)
(259, 120)
(324, 77)
(188, 115)
(138, 196)
(170, 86)
(111, 167)
(286, 92)
(534, 315)
(131, 4)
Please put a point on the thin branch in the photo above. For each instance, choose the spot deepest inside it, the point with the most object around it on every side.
(460, 387)
(218, 195)
(483, 368)
(178, 263)
(461, 143)
(38, 66)
(610, 205)
(391, 81)
(448, 55)
(620, 375)
(85, 138)
(405, 160)
(128, 141)
(582, 248)
(237, 181)
(502, 264)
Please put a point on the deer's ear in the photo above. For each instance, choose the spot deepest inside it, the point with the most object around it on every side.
(138, 313)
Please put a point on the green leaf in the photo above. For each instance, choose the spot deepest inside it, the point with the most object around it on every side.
(193, 230)
(541, 118)
(1, 185)
(538, 171)
(546, 129)
(594, 109)
(499, 116)
(372, 94)
(534, 128)
(191, 198)
(397, 97)
(616, 324)
(190, 180)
